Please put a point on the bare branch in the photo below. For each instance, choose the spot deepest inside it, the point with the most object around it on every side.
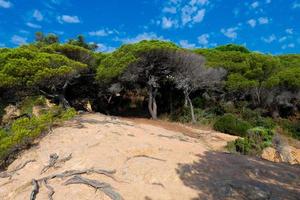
(104, 187)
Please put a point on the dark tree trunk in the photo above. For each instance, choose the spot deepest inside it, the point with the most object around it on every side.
(189, 101)
(152, 106)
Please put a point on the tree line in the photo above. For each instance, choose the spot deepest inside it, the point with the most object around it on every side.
(152, 69)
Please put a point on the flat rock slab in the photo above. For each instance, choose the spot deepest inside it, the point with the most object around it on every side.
(151, 162)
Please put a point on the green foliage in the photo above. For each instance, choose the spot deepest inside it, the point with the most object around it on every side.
(29, 102)
(253, 143)
(23, 68)
(291, 127)
(24, 130)
(184, 116)
(115, 63)
(233, 47)
(231, 124)
(288, 78)
(80, 41)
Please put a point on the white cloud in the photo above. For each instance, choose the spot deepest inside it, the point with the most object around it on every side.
(38, 15)
(168, 23)
(282, 39)
(18, 40)
(179, 13)
(263, 20)
(230, 32)
(186, 44)
(269, 39)
(201, 2)
(5, 4)
(296, 5)
(140, 37)
(254, 4)
(100, 33)
(199, 16)
(105, 48)
(32, 25)
(172, 10)
(291, 45)
(203, 39)
(289, 30)
(68, 19)
(56, 1)
(252, 22)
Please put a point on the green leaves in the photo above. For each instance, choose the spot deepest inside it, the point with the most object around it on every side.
(114, 64)
(26, 68)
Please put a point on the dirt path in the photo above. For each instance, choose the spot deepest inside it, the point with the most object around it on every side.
(151, 161)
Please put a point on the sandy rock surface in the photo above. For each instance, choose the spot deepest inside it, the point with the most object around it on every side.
(151, 161)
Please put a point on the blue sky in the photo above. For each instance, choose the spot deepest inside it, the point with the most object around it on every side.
(270, 26)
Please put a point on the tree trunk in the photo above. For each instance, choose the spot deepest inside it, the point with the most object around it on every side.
(192, 109)
(152, 106)
(63, 101)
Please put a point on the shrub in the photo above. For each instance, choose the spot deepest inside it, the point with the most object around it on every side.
(24, 130)
(291, 127)
(232, 125)
(253, 144)
(184, 116)
(255, 119)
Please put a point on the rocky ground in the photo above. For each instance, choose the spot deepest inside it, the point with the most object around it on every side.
(100, 157)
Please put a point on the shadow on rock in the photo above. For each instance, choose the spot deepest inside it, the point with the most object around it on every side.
(227, 176)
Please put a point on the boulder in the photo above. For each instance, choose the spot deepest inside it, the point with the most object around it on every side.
(11, 112)
(286, 154)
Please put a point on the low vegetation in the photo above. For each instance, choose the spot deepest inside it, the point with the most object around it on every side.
(234, 90)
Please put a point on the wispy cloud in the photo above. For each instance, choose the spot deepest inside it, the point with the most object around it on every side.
(282, 39)
(18, 40)
(38, 15)
(252, 22)
(168, 23)
(289, 30)
(203, 39)
(296, 5)
(105, 48)
(101, 33)
(140, 37)
(68, 19)
(254, 4)
(269, 39)
(263, 20)
(230, 32)
(172, 10)
(5, 4)
(290, 45)
(178, 13)
(32, 25)
(186, 44)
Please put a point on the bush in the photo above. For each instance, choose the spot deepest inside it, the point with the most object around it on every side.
(255, 119)
(291, 127)
(232, 125)
(24, 130)
(253, 144)
(184, 116)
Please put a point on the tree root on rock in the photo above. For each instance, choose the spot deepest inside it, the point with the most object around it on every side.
(145, 156)
(50, 190)
(104, 187)
(54, 162)
(35, 189)
(11, 173)
(73, 173)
